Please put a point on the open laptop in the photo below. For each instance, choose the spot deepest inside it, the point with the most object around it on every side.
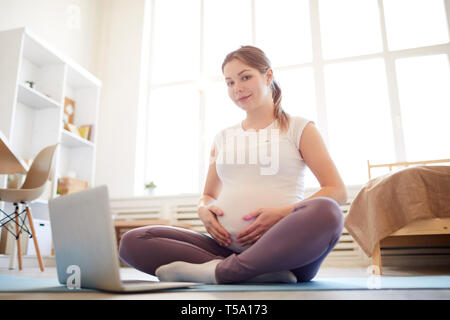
(84, 240)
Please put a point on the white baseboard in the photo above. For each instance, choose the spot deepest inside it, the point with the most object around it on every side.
(28, 261)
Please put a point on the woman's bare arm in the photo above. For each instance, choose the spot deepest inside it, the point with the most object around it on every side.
(315, 154)
(213, 184)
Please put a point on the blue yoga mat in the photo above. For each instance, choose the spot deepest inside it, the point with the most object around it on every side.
(22, 284)
(360, 283)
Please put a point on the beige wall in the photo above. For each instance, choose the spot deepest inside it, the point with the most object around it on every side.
(70, 26)
(104, 37)
(119, 68)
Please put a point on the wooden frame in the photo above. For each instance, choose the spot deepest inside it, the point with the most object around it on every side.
(69, 110)
(404, 164)
(418, 227)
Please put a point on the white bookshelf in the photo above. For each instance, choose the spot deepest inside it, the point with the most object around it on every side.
(32, 118)
(34, 99)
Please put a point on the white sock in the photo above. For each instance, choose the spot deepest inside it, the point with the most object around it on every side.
(189, 272)
(279, 276)
(205, 273)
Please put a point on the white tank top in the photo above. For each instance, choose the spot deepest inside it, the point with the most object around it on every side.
(258, 169)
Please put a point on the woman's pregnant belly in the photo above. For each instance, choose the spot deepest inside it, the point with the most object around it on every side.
(237, 204)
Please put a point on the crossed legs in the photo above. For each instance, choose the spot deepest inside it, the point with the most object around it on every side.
(299, 243)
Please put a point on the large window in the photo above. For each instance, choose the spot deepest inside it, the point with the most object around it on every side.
(424, 86)
(359, 125)
(372, 74)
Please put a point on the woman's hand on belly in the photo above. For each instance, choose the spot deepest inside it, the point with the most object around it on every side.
(233, 224)
(237, 202)
(262, 220)
(209, 215)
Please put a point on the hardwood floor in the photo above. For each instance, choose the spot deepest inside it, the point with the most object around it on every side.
(129, 273)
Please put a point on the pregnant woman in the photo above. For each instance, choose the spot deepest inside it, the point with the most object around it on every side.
(260, 227)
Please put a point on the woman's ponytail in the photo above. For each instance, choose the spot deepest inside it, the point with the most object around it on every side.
(281, 116)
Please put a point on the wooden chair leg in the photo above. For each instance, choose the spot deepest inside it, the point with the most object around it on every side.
(376, 260)
(19, 248)
(36, 245)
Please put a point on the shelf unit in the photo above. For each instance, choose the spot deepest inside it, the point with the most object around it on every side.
(32, 118)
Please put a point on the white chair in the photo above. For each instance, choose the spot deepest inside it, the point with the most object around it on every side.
(32, 189)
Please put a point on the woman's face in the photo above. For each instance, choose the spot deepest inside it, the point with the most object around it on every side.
(247, 87)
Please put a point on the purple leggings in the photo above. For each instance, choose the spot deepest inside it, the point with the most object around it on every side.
(299, 242)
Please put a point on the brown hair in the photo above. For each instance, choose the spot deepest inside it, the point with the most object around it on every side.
(257, 59)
